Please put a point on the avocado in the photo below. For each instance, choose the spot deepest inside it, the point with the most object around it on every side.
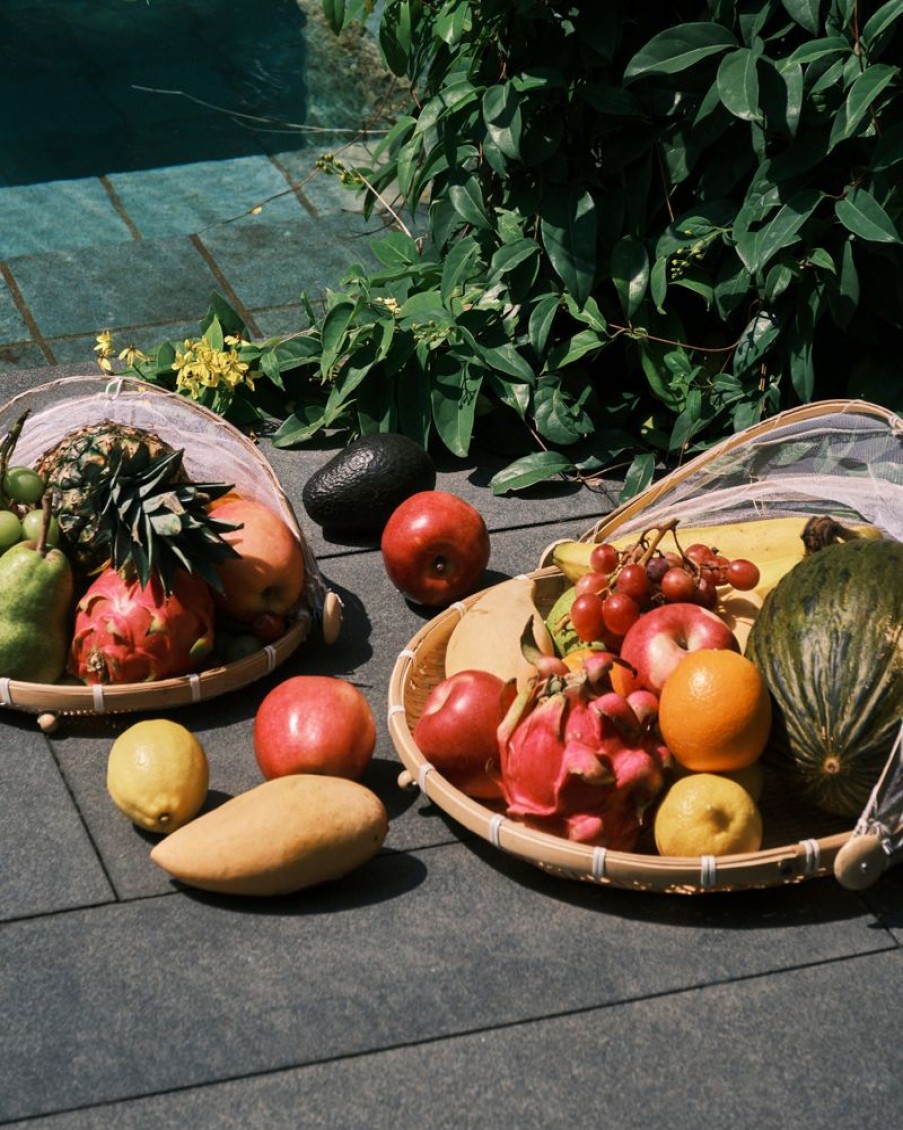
(360, 486)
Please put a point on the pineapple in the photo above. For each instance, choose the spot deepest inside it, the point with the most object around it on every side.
(123, 499)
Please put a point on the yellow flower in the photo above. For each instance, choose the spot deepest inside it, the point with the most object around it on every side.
(130, 355)
(201, 366)
(104, 350)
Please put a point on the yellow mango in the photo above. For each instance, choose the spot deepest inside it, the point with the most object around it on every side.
(289, 833)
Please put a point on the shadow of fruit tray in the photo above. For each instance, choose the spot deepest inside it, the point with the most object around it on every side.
(213, 450)
(843, 458)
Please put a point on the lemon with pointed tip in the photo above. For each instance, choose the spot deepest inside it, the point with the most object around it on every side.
(158, 774)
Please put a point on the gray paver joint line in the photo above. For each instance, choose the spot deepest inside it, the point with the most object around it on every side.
(209, 258)
(119, 207)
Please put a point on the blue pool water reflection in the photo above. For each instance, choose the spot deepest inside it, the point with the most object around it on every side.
(82, 82)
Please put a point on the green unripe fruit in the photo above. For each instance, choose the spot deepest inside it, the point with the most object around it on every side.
(31, 527)
(10, 530)
(23, 485)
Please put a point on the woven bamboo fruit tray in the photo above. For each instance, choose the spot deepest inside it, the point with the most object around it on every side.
(800, 843)
(214, 450)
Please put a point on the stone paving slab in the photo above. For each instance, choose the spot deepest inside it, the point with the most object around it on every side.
(758, 1054)
(49, 861)
(174, 991)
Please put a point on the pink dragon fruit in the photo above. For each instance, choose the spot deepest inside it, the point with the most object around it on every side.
(128, 634)
(581, 761)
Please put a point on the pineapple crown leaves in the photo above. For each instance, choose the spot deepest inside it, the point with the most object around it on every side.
(155, 520)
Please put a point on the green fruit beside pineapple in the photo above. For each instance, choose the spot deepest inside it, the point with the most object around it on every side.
(36, 592)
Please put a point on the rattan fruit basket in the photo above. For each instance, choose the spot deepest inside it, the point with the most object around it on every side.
(213, 450)
(838, 457)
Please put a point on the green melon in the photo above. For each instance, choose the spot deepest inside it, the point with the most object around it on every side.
(829, 643)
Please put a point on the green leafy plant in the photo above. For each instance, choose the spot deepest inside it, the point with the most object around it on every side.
(622, 231)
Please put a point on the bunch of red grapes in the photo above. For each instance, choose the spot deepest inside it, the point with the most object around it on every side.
(623, 584)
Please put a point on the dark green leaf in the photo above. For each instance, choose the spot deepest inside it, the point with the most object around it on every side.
(501, 112)
(560, 416)
(880, 22)
(888, 149)
(540, 323)
(639, 475)
(738, 84)
(572, 349)
(569, 236)
(396, 250)
(299, 427)
(454, 399)
(457, 268)
(757, 337)
(467, 200)
(807, 13)
(814, 49)
(511, 255)
(530, 470)
(860, 213)
(505, 359)
(782, 230)
(677, 48)
(335, 328)
(515, 394)
(630, 273)
(860, 97)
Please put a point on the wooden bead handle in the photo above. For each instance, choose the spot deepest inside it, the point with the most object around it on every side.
(860, 862)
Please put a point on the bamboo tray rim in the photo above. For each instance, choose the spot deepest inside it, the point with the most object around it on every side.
(793, 861)
(51, 699)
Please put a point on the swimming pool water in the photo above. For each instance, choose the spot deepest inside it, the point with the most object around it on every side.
(71, 73)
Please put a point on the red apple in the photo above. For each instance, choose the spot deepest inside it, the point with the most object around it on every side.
(435, 548)
(456, 730)
(314, 724)
(268, 574)
(662, 637)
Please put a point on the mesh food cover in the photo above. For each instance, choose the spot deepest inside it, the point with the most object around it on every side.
(839, 458)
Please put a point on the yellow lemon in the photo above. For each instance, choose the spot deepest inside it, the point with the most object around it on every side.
(707, 814)
(752, 778)
(157, 774)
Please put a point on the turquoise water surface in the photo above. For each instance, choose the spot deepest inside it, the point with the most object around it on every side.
(90, 87)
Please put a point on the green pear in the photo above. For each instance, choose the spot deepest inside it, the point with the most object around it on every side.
(36, 591)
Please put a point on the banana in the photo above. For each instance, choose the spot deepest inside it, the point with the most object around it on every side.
(769, 542)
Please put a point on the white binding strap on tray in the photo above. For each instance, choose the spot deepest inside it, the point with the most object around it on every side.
(459, 606)
(5, 696)
(813, 856)
(97, 694)
(194, 681)
(395, 708)
(425, 770)
(707, 871)
(271, 658)
(598, 865)
(495, 825)
(406, 654)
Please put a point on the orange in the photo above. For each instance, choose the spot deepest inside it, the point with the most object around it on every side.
(715, 711)
(574, 659)
(707, 814)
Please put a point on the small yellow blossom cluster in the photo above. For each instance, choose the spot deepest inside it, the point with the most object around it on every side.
(201, 366)
(105, 351)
